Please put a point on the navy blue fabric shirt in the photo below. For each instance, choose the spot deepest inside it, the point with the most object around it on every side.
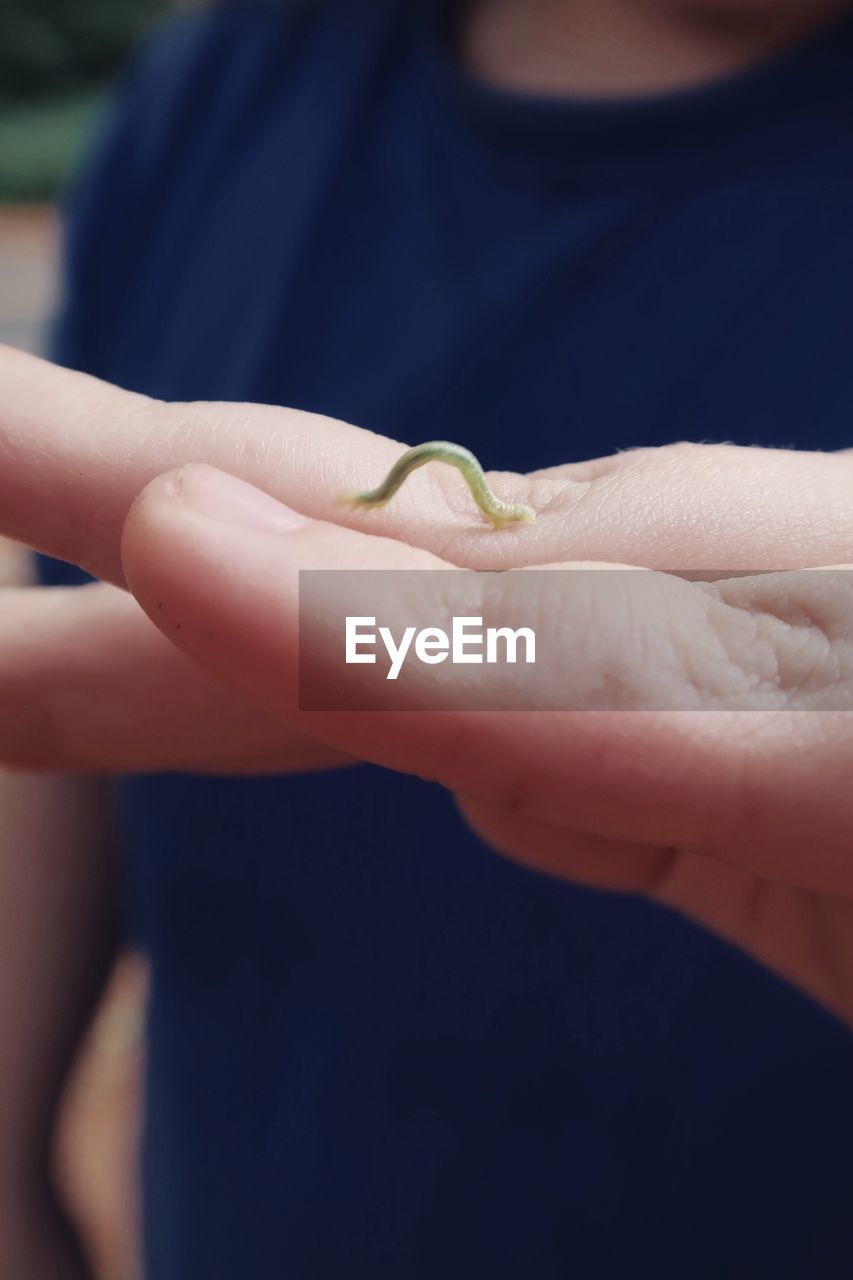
(374, 1056)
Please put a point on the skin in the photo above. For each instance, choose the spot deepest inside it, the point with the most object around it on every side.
(58, 888)
(741, 819)
(91, 683)
(498, 513)
(605, 49)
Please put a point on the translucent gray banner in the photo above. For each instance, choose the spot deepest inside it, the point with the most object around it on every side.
(587, 639)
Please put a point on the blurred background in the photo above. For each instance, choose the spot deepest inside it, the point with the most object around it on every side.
(58, 59)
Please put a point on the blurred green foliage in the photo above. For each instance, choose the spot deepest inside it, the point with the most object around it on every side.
(40, 144)
(56, 57)
(50, 47)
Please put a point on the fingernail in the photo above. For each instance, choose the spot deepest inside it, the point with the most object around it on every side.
(224, 498)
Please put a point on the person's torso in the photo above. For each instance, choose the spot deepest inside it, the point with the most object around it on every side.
(377, 1049)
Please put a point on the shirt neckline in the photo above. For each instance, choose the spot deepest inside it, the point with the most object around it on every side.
(763, 112)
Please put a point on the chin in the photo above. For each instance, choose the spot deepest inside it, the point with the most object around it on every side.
(746, 7)
(804, 8)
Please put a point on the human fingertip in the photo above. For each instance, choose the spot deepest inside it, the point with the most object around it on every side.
(225, 498)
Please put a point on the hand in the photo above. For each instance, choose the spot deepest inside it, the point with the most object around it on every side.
(740, 819)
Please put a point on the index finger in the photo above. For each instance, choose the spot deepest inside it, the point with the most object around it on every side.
(75, 452)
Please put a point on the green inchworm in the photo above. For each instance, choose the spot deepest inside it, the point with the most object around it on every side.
(498, 512)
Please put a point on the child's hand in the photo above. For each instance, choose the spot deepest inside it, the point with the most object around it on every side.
(742, 819)
(89, 685)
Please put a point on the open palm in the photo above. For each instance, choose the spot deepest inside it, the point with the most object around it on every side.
(727, 800)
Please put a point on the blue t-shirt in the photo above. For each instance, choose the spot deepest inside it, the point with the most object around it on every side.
(378, 1055)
